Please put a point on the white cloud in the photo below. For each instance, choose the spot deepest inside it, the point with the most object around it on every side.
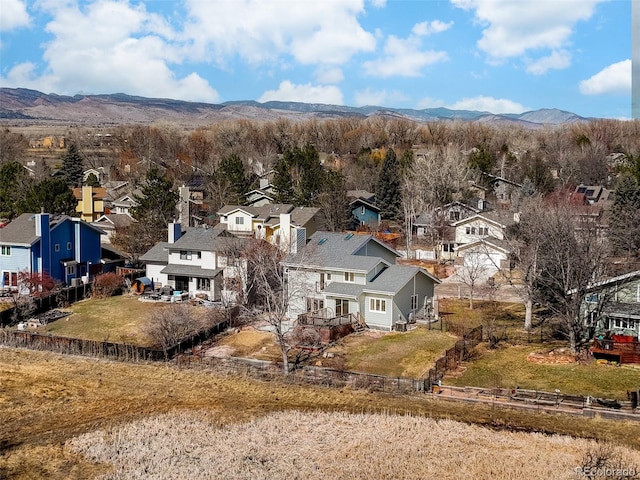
(378, 3)
(429, 28)
(511, 28)
(379, 98)
(111, 47)
(14, 15)
(259, 31)
(289, 92)
(330, 75)
(614, 79)
(557, 60)
(403, 58)
(489, 104)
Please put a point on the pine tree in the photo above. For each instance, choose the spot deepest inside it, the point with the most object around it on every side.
(624, 223)
(158, 200)
(72, 169)
(232, 170)
(388, 190)
(282, 181)
(92, 180)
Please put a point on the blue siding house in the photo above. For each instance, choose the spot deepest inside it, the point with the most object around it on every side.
(62, 246)
(364, 211)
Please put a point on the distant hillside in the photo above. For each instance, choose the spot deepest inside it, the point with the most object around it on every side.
(30, 106)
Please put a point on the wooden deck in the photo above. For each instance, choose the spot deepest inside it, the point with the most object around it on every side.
(622, 352)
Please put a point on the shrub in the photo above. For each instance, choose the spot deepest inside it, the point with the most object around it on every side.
(107, 285)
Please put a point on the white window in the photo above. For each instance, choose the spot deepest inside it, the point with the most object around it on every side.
(362, 210)
(468, 230)
(377, 305)
(329, 278)
(204, 284)
(349, 277)
(483, 230)
(6, 250)
(57, 247)
(185, 255)
(239, 220)
(414, 302)
(68, 245)
(314, 304)
(71, 270)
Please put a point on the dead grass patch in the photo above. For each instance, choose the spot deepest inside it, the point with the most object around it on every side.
(250, 343)
(331, 445)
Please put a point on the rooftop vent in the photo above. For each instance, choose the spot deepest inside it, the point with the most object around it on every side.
(321, 241)
(349, 235)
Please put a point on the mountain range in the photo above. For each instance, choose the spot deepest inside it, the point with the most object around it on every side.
(20, 105)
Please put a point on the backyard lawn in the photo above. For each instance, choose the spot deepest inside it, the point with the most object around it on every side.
(509, 367)
(114, 319)
(408, 354)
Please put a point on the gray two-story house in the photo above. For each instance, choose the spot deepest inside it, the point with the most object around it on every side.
(346, 273)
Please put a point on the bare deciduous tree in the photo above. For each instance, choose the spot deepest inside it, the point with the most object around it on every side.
(271, 290)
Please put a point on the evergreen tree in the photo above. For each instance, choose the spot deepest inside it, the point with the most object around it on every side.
(388, 189)
(156, 208)
(232, 170)
(299, 176)
(13, 180)
(624, 223)
(282, 181)
(72, 169)
(92, 180)
(158, 199)
(52, 194)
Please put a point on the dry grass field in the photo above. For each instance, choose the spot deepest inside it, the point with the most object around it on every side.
(305, 445)
(48, 399)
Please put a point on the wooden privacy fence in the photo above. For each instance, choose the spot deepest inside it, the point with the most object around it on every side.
(265, 370)
(112, 350)
(47, 302)
(454, 356)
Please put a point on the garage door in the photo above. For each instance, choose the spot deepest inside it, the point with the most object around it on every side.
(484, 259)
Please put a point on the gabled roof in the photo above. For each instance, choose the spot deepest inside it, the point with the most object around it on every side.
(205, 239)
(364, 194)
(22, 230)
(611, 281)
(97, 193)
(156, 254)
(362, 201)
(497, 179)
(394, 278)
(490, 243)
(327, 250)
(389, 282)
(478, 216)
(270, 213)
(117, 220)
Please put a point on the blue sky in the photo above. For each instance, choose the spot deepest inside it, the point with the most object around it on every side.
(502, 56)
